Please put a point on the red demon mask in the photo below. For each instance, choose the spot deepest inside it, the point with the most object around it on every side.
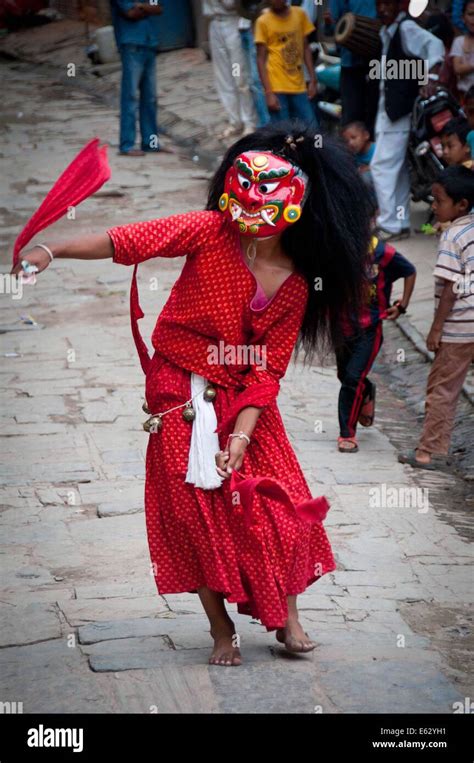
(263, 193)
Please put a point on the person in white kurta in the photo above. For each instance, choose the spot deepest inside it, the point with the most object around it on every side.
(389, 164)
(231, 74)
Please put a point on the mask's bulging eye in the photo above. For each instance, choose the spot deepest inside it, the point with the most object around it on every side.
(244, 182)
(268, 187)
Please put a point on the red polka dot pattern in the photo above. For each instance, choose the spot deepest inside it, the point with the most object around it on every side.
(198, 537)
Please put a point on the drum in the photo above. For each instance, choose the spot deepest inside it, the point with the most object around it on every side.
(359, 34)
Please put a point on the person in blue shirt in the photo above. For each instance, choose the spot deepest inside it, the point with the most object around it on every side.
(359, 93)
(357, 138)
(136, 34)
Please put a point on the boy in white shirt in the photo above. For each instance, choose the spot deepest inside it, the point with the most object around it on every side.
(451, 336)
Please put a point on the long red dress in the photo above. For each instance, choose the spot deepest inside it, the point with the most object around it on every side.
(268, 542)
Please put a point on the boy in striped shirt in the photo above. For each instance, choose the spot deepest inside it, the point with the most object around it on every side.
(451, 336)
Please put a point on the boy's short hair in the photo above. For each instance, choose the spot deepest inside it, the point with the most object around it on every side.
(357, 123)
(458, 126)
(458, 182)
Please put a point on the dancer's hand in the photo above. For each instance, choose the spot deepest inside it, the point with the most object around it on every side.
(35, 256)
(231, 458)
(221, 462)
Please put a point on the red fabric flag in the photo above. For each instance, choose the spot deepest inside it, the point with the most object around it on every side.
(271, 537)
(311, 510)
(88, 171)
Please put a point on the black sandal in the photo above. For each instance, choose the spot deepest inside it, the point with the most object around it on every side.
(409, 457)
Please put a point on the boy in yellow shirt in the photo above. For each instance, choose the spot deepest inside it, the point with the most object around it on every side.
(281, 36)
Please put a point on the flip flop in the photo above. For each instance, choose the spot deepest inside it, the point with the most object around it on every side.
(347, 450)
(367, 411)
(409, 457)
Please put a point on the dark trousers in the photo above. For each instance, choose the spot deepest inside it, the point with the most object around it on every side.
(354, 361)
(359, 96)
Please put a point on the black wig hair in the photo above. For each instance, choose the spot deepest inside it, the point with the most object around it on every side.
(458, 182)
(331, 239)
(458, 126)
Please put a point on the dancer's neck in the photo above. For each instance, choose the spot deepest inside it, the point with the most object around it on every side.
(266, 248)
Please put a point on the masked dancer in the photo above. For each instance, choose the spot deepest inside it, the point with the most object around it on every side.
(269, 266)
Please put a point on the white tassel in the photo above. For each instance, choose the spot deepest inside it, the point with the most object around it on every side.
(204, 444)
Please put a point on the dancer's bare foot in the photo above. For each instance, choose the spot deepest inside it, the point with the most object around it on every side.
(294, 637)
(225, 652)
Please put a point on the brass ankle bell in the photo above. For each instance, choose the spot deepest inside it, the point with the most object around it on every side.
(153, 424)
(189, 414)
(145, 407)
(209, 393)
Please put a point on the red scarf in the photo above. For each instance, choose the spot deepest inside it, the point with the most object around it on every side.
(88, 171)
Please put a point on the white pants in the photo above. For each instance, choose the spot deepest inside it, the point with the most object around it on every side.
(230, 72)
(391, 178)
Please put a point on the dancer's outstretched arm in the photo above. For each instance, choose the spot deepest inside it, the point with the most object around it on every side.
(173, 236)
(97, 246)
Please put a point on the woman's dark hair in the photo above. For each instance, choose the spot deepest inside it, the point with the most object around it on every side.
(458, 182)
(458, 126)
(465, 4)
(331, 239)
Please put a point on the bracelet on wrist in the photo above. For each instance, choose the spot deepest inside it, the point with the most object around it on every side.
(241, 435)
(47, 250)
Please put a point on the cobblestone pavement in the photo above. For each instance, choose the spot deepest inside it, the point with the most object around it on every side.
(82, 627)
(408, 379)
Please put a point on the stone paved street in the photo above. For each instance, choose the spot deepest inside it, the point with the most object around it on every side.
(82, 628)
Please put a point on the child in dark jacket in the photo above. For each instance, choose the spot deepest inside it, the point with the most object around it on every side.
(364, 337)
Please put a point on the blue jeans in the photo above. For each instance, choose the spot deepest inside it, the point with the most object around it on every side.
(138, 93)
(295, 106)
(248, 46)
